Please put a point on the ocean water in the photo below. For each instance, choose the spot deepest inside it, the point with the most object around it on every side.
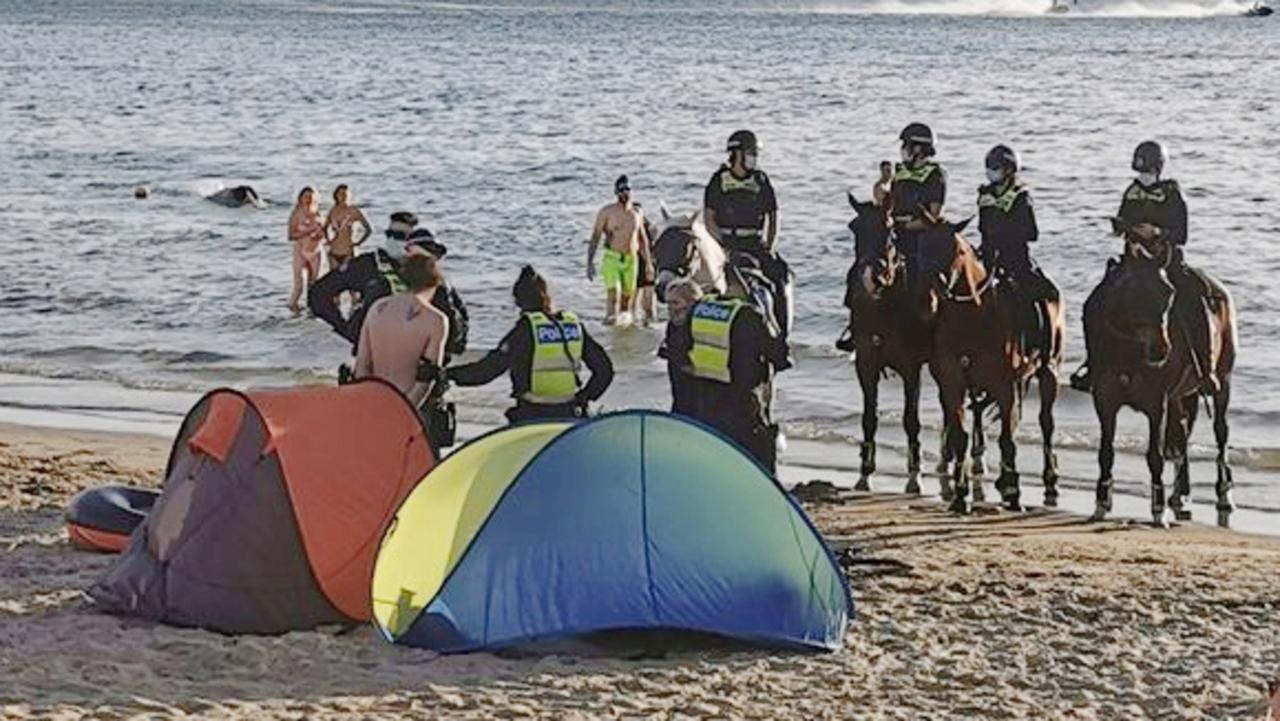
(503, 125)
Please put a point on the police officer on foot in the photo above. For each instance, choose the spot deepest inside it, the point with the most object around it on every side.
(919, 186)
(544, 354)
(741, 211)
(1007, 222)
(730, 351)
(1153, 209)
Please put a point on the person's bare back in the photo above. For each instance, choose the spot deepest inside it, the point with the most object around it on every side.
(399, 332)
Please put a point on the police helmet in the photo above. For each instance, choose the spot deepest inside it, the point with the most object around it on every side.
(1002, 157)
(918, 134)
(1150, 157)
(743, 140)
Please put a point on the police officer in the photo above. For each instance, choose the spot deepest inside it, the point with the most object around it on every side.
(371, 276)
(740, 209)
(1153, 209)
(730, 352)
(1007, 222)
(544, 354)
(919, 185)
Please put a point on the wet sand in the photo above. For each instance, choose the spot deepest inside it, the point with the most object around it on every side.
(1035, 615)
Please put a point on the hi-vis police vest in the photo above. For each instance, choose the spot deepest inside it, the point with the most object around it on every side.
(712, 322)
(557, 355)
(1004, 201)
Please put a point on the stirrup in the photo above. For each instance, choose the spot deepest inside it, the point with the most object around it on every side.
(1081, 381)
(845, 342)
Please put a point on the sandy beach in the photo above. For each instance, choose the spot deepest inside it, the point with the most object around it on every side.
(1036, 615)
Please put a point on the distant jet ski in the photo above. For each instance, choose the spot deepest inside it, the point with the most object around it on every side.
(1060, 6)
(1259, 11)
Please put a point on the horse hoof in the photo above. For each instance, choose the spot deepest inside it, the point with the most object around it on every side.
(1182, 514)
(1013, 505)
(913, 488)
(1051, 499)
(1158, 519)
(959, 506)
(1099, 514)
(862, 485)
(1224, 519)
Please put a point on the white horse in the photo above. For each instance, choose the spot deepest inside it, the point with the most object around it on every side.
(683, 247)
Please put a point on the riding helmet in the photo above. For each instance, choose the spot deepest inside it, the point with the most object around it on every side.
(743, 140)
(1004, 157)
(918, 134)
(1150, 157)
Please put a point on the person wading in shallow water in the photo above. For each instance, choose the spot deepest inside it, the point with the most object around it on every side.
(339, 228)
(626, 249)
(306, 234)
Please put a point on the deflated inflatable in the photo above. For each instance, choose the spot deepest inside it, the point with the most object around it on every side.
(102, 519)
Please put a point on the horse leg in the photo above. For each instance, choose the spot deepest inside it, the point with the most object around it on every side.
(911, 424)
(978, 451)
(1106, 456)
(1155, 463)
(958, 442)
(1182, 418)
(1221, 432)
(1008, 482)
(1048, 381)
(945, 459)
(869, 379)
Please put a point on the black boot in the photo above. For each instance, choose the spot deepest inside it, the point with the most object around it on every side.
(1202, 347)
(845, 342)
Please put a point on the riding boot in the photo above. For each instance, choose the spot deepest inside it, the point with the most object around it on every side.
(1202, 347)
(1081, 380)
(845, 343)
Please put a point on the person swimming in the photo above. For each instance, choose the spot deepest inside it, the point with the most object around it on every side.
(237, 196)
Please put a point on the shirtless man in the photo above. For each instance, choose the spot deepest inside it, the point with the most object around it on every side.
(622, 224)
(339, 227)
(880, 191)
(404, 329)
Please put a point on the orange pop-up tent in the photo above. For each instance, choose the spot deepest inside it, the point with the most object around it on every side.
(273, 506)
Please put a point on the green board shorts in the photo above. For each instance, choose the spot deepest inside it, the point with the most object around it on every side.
(619, 269)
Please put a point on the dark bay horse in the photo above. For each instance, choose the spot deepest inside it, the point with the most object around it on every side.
(888, 335)
(1149, 366)
(976, 354)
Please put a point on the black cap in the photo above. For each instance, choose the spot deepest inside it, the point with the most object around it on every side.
(424, 239)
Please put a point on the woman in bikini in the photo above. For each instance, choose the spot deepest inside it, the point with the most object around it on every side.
(339, 228)
(306, 233)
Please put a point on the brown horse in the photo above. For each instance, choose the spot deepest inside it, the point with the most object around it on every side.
(977, 355)
(888, 335)
(1148, 365)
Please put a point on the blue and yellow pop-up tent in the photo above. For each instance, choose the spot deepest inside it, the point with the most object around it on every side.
(631, 521)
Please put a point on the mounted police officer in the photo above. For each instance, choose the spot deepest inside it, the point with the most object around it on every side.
(1007, 222)
(723, 360)
(544, 353)
(1153, 209)
(741, 211)
(919, 186)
